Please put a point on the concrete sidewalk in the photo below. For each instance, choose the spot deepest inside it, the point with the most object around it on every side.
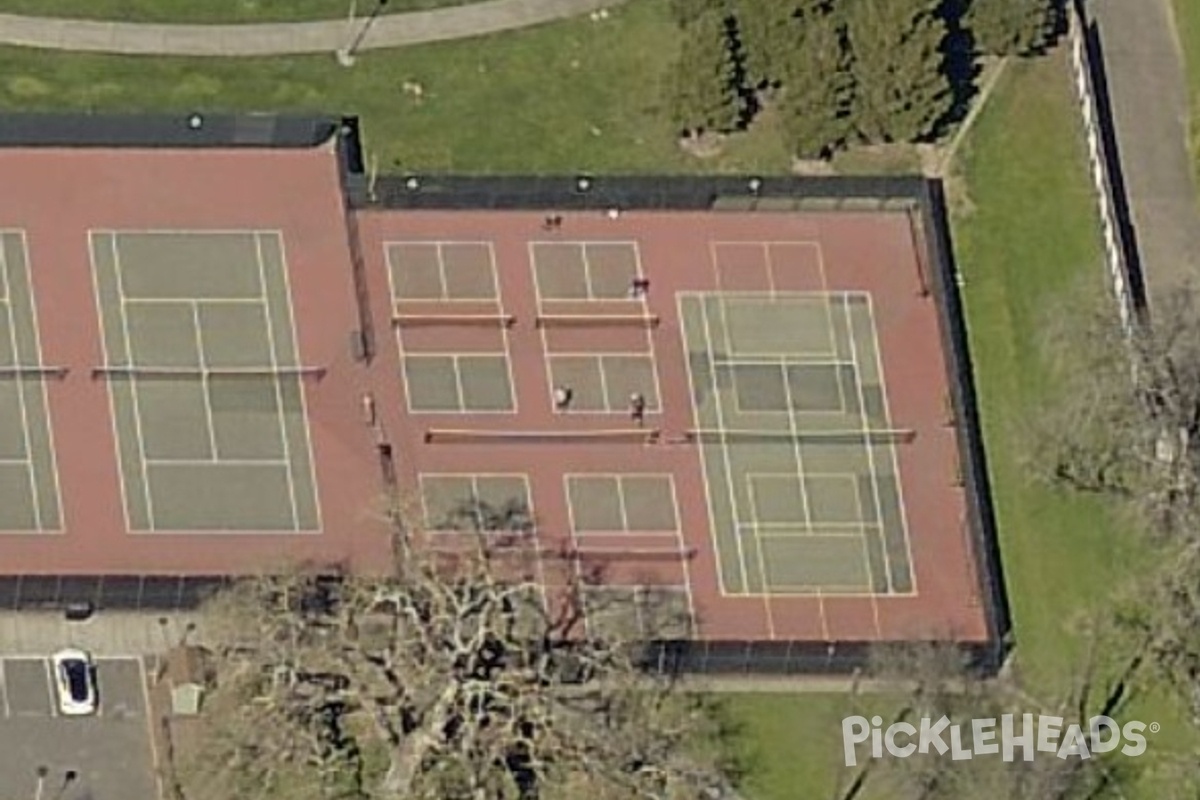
(1148, 92)
(107, 633)
(287, 38)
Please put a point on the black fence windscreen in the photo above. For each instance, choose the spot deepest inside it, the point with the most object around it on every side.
(115, 592)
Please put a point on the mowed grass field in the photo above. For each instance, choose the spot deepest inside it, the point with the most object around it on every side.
(211, 11)
(584, 95)
(575, 95)
(1187, 24)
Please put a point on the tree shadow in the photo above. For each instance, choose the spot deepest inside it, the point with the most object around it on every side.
(961, 64)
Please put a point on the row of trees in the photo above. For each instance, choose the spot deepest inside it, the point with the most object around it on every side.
(840, 71)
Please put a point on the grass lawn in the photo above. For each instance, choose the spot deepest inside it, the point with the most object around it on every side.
(575, 95)
(1027, 243)
(209, 10)
(1187, 22)
(1026, 238)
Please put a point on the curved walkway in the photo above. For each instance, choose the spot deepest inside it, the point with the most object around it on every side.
(286, 38)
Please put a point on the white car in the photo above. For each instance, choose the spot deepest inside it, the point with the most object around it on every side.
(75, 680)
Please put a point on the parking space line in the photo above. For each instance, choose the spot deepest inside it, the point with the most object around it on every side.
(4, 690)
(49, 667)
(150, 721)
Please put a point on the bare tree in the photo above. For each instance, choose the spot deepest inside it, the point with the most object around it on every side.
(1128, 425)
(1127, 419)
(463, 673)
(938, 680)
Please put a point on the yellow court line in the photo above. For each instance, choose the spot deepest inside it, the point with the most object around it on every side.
(725, 453)
(862, 405)
(887, 415)
(712, 522)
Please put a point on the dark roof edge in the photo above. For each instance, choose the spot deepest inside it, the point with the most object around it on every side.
(198, 130)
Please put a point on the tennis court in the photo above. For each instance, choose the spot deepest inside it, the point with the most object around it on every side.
(205, 381)
(29, 492)
(798, 450)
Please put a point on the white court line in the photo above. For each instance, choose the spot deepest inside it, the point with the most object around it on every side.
(451, 354)
(438, 245)
(318, 511)
(604, 386)
(800, 535)
(19, 383)
(37, 344)
(799, 526)
(154, 232)
(473, 478)
(161, 301)
(4, 293)
(587, 272)
(782, 299)
(784, 360)
(887, 415)
(214, 452)
(658, 476)
(724, 446)
(587, 264)
(547, 372)
(280, 421)
(514, 396)
(231, 462)
(133, 388)
(93, 238)
(569, 478)
(441, 272)
(649, 334)
(532, 246)
(462, 396)
(810, 243)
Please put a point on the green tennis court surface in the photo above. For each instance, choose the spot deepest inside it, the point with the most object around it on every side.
(29, 499)
(799, 454)
(203, 372)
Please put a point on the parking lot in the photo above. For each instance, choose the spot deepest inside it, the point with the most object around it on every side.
(109, 755)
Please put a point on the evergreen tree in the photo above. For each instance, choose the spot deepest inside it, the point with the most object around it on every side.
(768, 30)
(1011, 27)
(684, 12)
(702, 87)
(818, 89)
(901, 88)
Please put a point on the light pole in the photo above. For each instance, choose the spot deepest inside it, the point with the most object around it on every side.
(345, 55)
(41, 772)
(69, 777)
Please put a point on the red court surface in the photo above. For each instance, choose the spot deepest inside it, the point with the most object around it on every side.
(65, 194)
(867, 252)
